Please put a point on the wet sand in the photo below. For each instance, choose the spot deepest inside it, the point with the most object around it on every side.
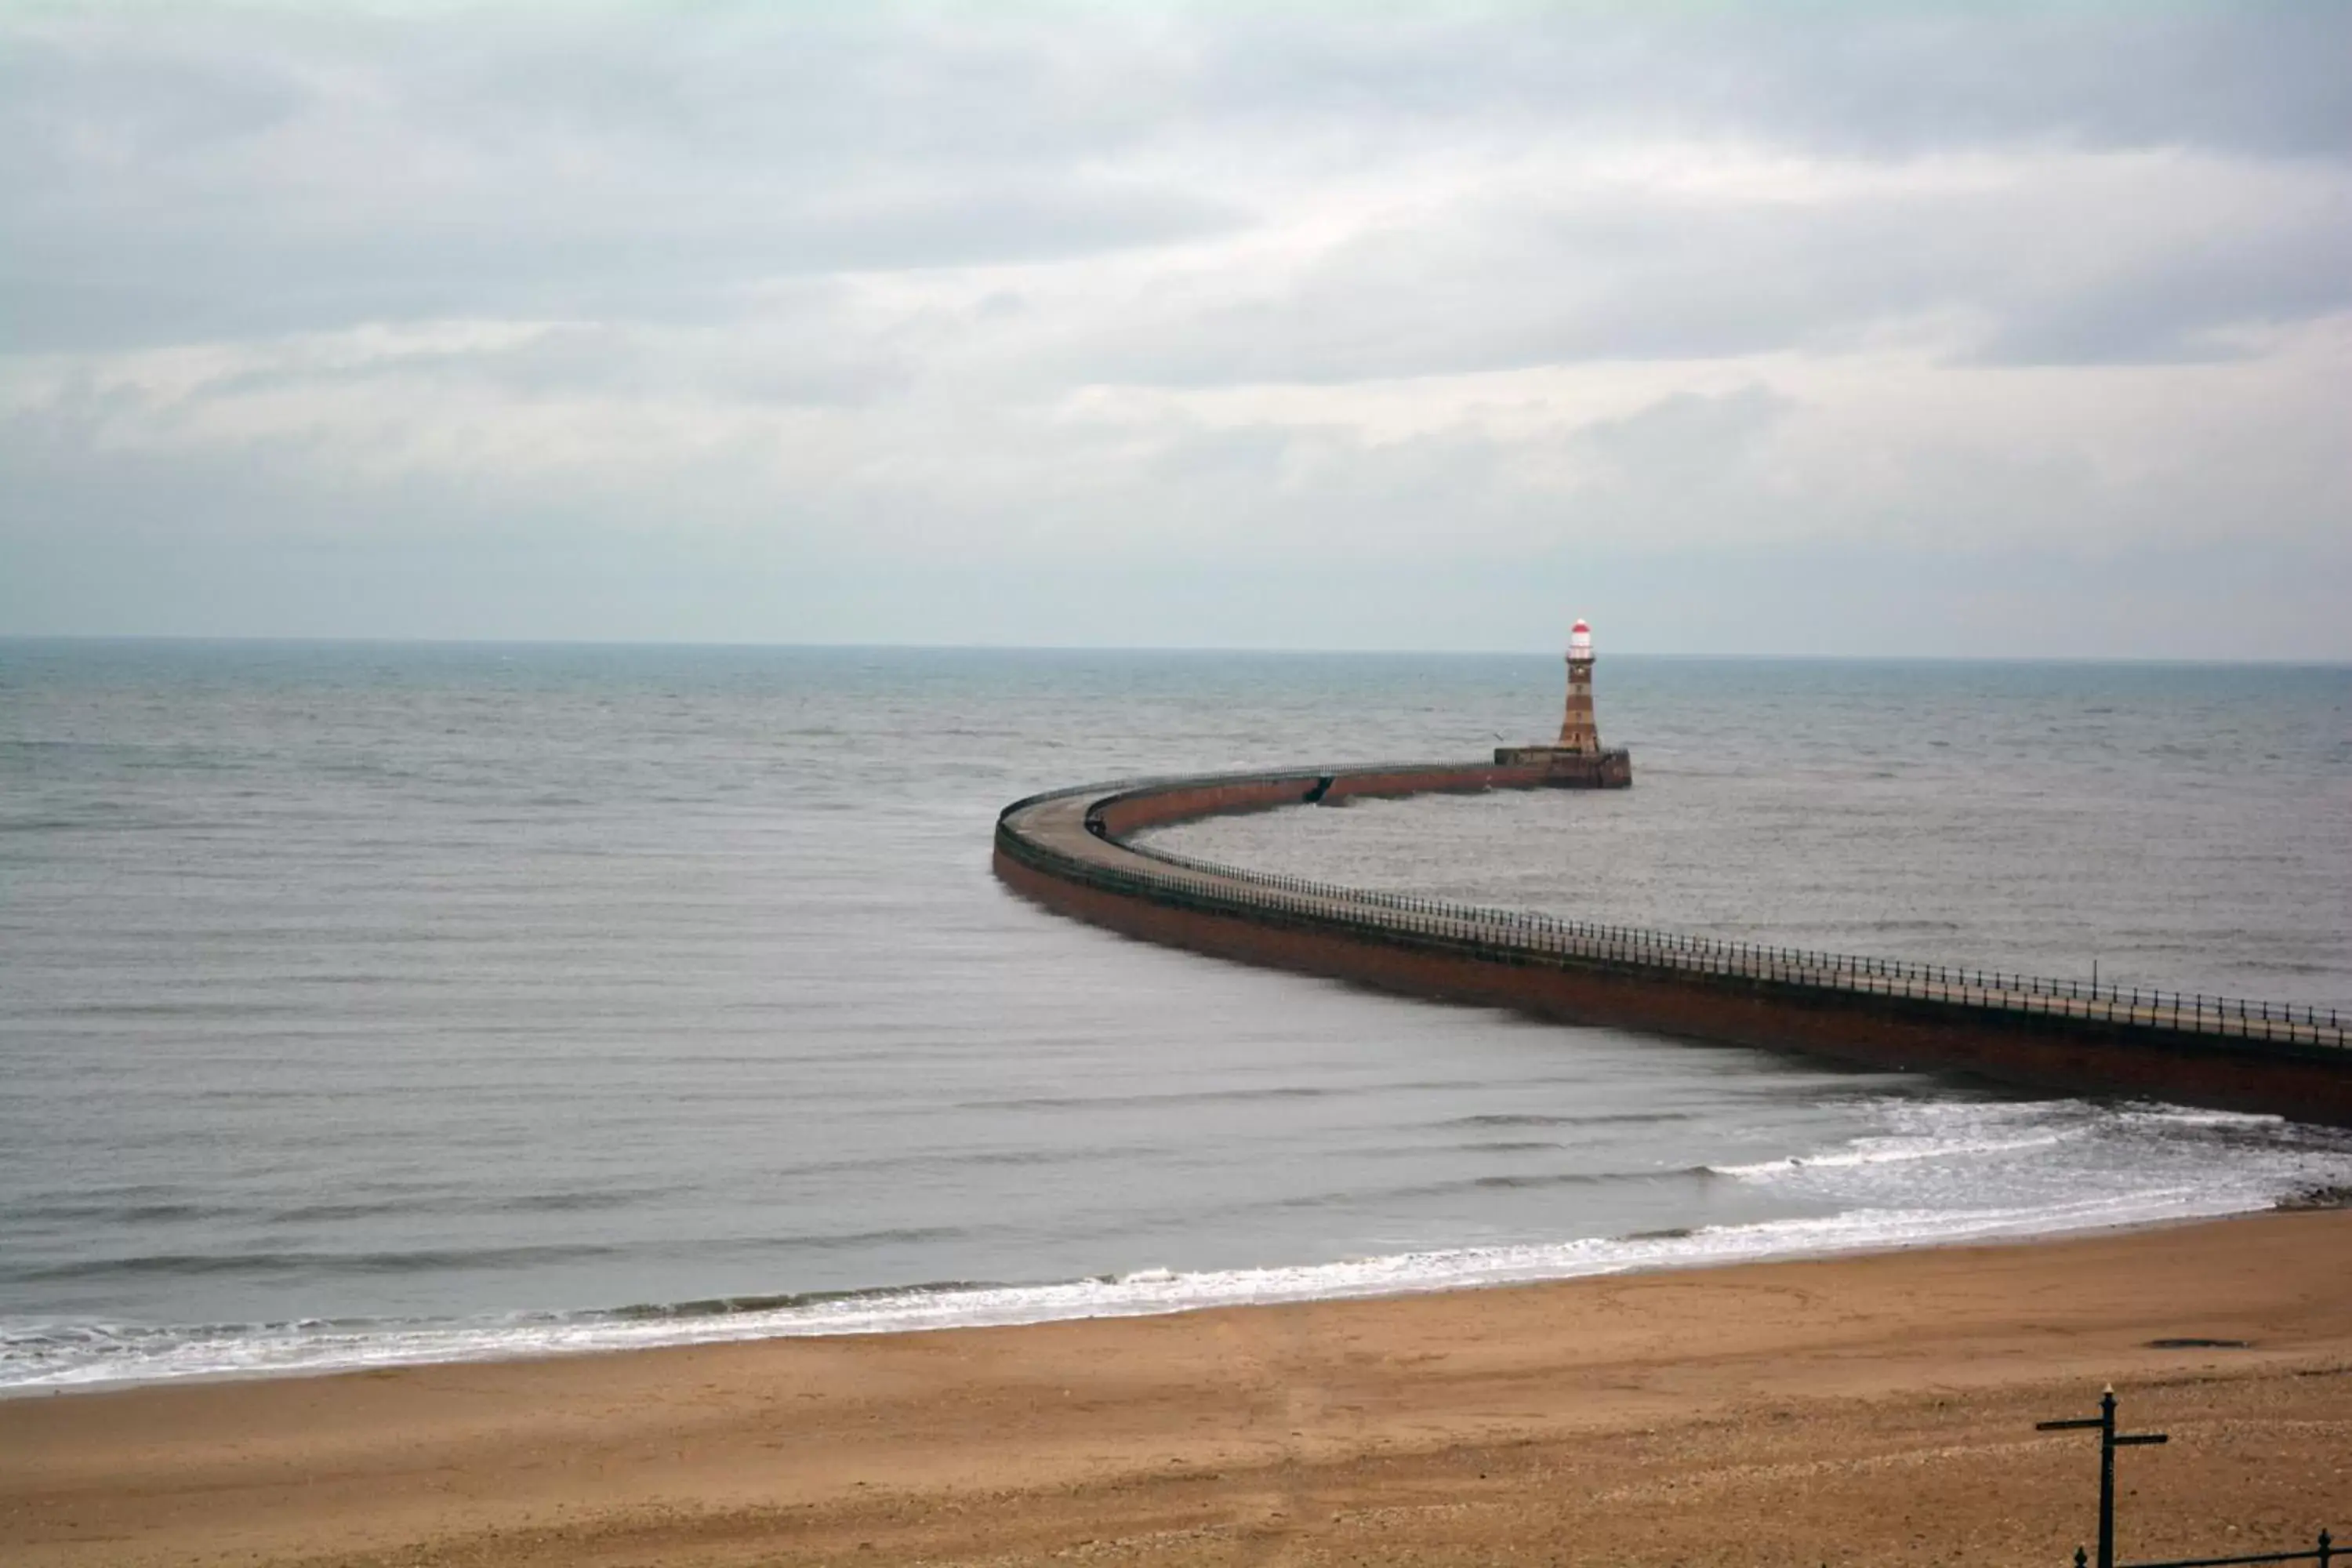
(1854, 1410)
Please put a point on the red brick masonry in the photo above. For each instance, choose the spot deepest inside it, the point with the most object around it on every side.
(1063, 850)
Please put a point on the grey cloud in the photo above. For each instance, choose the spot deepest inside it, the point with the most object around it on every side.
(114, 280)
(1006, 497)
(108, 100)
(2179, 303)
(2263, 78)
(760, 237)
(1686, 431)
(787, 363)
(2137, 272)
(222, 172)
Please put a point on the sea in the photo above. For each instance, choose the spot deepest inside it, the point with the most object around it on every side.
(364, 1005)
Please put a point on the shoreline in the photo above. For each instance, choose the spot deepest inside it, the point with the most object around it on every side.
(627, 1339)
(1653, 1411)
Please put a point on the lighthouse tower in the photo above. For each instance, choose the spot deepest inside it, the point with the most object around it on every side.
(1577, 761)
(1577, 731)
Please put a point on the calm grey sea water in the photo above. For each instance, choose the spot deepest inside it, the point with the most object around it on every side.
(363, 1004)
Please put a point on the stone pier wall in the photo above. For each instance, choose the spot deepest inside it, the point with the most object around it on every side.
(1064, 852)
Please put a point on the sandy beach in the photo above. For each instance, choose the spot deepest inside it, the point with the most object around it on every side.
(1853, 1410)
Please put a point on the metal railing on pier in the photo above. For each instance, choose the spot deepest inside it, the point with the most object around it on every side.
(2225, 1016)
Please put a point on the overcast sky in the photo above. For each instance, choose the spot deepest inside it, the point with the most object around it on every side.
(1851, 328)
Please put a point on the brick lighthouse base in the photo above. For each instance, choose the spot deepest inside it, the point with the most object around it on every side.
(1589, 770)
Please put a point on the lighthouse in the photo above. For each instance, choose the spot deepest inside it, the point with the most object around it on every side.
(1577, 731)
(1577, 759)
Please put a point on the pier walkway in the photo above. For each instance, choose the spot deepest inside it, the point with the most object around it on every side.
(1067, 850)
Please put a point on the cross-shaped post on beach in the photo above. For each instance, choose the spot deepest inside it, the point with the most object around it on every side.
(2109, 1441)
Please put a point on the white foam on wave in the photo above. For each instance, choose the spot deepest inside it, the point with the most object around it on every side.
(54, 1356)
(1899, 1150)
(1946, 1173)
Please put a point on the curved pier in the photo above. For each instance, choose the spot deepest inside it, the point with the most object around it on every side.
(1065, 850)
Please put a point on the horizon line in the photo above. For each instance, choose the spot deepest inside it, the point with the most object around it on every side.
(300, 640)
